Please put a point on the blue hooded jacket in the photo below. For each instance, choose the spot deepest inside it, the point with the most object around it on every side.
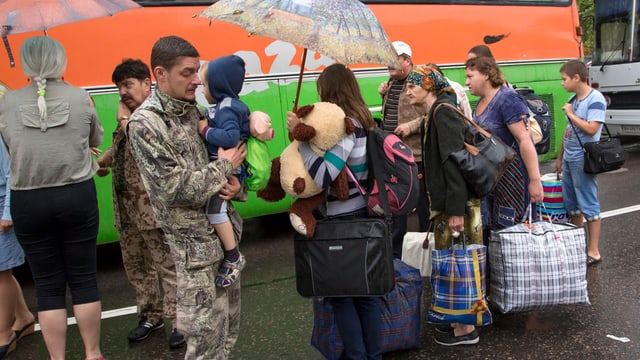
(229, 120)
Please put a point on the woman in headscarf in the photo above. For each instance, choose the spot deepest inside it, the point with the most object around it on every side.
(49, 128)
(453, 208)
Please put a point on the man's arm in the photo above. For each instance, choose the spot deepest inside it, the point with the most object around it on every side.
(168, 180)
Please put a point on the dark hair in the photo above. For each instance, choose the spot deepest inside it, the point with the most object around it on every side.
(167, 51)
(435, 67)
(486, 66)
(338, 85)
(575, 67)
(130, 68)
(481, 50)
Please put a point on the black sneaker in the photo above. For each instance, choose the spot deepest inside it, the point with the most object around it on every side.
(176, 340)
(450, 339)
(144, 328)
(443, 328)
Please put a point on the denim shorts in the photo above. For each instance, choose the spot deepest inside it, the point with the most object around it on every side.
(580, 191)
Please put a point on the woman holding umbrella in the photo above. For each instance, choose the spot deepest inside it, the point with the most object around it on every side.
(359, 319)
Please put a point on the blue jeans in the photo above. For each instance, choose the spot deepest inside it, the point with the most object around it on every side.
(359, 320)
(580, 191)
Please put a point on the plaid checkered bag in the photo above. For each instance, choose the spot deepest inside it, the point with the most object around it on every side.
(458, 284)
(539, 266)
(400, 316)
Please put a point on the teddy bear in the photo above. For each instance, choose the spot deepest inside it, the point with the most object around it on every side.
(260, 125)
(258, 160)
(322, 125)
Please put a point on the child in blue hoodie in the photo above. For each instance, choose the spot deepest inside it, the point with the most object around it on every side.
(228, 123)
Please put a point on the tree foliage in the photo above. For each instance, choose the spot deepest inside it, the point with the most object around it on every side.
(585, 9)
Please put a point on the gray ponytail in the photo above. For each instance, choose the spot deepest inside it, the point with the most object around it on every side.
(42, 58)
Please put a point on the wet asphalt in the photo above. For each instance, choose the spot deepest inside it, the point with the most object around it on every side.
(277, 322)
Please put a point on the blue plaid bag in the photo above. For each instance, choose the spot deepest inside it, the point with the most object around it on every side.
(400, 316)
(458, 284)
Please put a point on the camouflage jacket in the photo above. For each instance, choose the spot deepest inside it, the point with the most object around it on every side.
(130, 199)
(175, 168)
(408, 113)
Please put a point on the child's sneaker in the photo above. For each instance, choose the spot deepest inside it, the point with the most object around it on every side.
(229, 272)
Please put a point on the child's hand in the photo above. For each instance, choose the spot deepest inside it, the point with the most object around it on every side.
(202, 123)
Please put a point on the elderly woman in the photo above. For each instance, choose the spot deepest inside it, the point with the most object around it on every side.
(502, 112)
(48, 127)
(453, 208)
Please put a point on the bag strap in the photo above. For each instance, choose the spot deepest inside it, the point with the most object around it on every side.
(377, 172)
(571, 100)
(471, 122)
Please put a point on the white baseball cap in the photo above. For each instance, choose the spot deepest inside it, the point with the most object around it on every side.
(402, 48)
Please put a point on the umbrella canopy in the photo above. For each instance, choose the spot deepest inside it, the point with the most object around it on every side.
(18, 16)
(344, 30)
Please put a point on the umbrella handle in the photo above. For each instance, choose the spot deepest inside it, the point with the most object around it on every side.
(304, 59)
(5, 31)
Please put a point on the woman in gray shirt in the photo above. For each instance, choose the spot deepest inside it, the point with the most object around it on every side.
(49, 128)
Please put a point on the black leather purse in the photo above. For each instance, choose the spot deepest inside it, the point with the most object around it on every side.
(482, 161)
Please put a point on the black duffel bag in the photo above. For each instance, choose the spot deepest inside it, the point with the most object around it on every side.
(345, 258)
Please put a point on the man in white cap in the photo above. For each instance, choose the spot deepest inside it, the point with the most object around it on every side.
(399, 117)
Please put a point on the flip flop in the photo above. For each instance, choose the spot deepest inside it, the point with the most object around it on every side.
(592, 260)
(26, 330)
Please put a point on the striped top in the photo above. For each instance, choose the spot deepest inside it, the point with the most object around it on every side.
(352, 150)
(390, 118)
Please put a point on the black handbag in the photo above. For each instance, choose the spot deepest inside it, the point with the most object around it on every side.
(604, 155)
(345, 258)
(482, 161)
(348, 256)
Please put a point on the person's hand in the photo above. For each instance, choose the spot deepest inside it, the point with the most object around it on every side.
(230, 189)
(235, 154)
(122, 116)
(383, 88)
(202, 123)
(5, 225)
(456, 224)
(535, 190)
(558, 164)
(292, 121)
(103, 171)
(567, 108)
(402, 130)
(95, 151)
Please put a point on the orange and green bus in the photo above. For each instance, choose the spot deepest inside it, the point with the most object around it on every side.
(529, 38)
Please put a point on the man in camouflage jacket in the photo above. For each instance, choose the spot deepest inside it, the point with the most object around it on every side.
(179, 178)
(145, 254)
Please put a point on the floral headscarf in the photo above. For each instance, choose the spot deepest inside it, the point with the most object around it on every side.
(429, 80)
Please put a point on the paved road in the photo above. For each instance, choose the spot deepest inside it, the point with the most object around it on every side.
(277, 322)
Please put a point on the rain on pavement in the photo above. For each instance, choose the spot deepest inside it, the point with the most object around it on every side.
(277, 322)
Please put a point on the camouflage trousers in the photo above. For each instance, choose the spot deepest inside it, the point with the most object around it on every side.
(148, 263)
(208, 316)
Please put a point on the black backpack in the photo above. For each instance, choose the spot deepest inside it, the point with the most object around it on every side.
(391, 163)
(540, 111)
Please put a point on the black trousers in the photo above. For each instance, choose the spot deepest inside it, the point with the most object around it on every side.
(57, 228)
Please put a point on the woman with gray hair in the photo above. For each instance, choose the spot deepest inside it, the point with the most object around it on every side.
(49, 128)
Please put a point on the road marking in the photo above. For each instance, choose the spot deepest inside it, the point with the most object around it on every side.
(133, 309)
(620, 211)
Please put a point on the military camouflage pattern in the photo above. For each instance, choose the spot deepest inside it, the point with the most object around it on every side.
(179, 178)
(472, 225)
(145, 254)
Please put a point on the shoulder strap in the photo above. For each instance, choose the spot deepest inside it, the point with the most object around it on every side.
(471, 122)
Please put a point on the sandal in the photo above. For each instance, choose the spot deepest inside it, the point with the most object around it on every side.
(26, 330)
(592, 261)
(229, 272)
(6, 349)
